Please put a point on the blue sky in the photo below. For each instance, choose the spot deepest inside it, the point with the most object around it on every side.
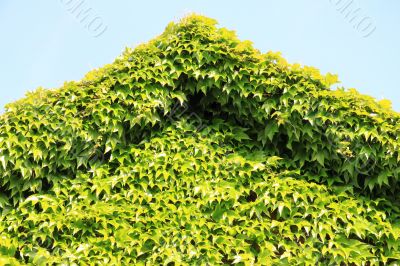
(43, 43)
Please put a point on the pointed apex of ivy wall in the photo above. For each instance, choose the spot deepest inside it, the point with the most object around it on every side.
(196, 148)
(192, 34)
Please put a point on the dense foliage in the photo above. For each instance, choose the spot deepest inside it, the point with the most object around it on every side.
(195, 148)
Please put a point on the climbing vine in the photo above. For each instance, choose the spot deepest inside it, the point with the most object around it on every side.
(197, 149)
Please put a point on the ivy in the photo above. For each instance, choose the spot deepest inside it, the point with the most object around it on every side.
(195, 148)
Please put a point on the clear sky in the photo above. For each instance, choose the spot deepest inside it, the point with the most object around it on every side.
(44, 42)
